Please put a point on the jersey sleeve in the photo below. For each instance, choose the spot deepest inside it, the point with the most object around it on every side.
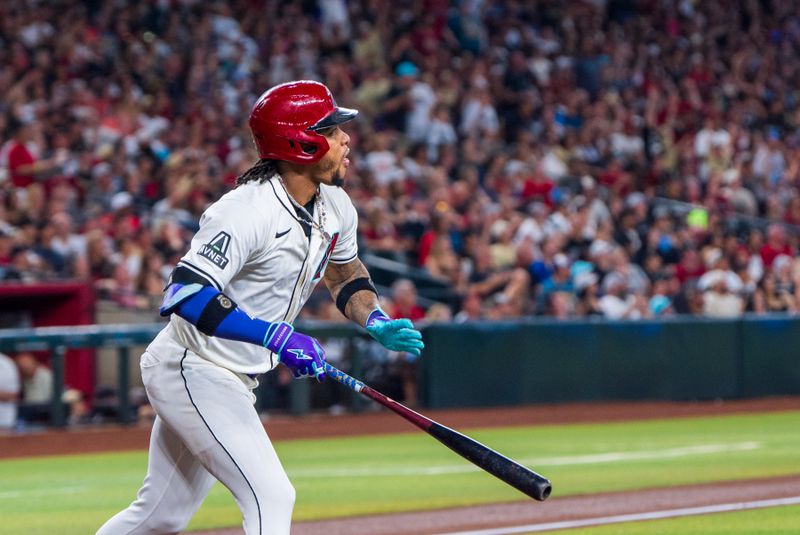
(346, 248)
(228, 235)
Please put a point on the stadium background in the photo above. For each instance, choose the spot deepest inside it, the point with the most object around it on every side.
(584, 161)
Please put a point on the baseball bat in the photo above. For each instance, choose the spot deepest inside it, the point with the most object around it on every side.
(506, 470)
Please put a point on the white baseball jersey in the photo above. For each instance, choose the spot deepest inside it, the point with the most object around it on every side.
(252, 247)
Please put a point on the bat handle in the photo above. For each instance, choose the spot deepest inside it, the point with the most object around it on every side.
(338, 375)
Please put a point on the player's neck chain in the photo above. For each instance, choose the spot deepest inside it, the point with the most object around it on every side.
(319, 207)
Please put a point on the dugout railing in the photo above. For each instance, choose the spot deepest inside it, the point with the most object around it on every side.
(57, 340)
(537, 360)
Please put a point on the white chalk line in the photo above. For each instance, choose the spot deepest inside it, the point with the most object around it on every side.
(537, 462)
(635, 517)
(567, 460)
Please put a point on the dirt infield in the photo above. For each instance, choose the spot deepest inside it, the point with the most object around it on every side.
(115, 438)
(555, 509)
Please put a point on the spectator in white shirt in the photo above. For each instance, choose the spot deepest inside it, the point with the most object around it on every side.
(9, 392)
(479, 116)
(440, 132)
(711, 135)
(617, 303)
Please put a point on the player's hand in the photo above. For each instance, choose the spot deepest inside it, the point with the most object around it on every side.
(302, 354)
(397, 335)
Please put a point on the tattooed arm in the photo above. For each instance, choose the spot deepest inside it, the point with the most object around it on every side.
(361, 304)
(357, 299)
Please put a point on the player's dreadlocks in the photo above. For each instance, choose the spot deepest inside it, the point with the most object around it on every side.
(262, 171)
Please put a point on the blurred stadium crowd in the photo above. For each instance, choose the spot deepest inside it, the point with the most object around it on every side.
(625, 159)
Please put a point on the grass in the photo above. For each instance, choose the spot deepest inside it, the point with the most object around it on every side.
(773, 521)
(361, 475)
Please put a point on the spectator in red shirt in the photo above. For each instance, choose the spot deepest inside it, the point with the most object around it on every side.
(404, 301)
(538, 187)
(22, 166)
(440, 226)
(776, 245)
(690, 267)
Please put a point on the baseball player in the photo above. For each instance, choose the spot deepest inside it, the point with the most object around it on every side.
(260, 251)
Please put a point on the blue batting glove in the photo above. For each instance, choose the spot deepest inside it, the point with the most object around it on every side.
(300, 353)
(397, 335)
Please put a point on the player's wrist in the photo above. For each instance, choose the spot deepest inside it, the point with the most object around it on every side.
(376, 316)
(277, 335)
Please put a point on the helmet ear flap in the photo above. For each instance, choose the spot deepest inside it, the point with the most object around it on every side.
(308, 148)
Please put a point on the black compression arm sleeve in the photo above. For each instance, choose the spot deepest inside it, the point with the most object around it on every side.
(355, 285)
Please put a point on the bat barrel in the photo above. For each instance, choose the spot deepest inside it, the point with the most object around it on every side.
(511, 472)
(521, 478)
(527, 482)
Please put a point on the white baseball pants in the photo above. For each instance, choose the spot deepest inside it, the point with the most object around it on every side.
(206, 429)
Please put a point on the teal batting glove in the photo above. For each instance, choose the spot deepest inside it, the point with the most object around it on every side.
(397, 335)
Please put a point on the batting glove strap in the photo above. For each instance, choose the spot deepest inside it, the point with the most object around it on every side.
(278, 334)
(376, 316)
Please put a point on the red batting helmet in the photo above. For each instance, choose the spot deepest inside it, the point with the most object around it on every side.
(285, 120)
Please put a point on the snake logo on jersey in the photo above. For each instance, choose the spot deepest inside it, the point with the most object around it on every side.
(324, 262)
(216, 249)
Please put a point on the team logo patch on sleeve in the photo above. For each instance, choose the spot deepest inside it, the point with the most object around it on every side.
(216, 249)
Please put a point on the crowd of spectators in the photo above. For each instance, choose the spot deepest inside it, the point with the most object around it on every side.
(625, 159)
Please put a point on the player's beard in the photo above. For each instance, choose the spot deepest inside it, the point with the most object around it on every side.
(334, 171)
(337, 179)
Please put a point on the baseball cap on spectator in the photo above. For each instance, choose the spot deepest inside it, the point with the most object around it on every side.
(104, 150)
(121, 200)
(730, 175)
(600, 247)
(557, 195)
(538, 208)
(584, 280)
(101, 169)
(634, 199)
(564, 62)
(781, 261)
(578, 202)
(406, 68)
(560, 260)
(581, 266)
(515, 166)
(588, 182)
(659, 304)
(498, 228)
(712, 257)
(613, 279)
(660, 211)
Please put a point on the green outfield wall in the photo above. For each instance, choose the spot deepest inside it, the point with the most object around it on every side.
(533, 361)
(486, 364)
